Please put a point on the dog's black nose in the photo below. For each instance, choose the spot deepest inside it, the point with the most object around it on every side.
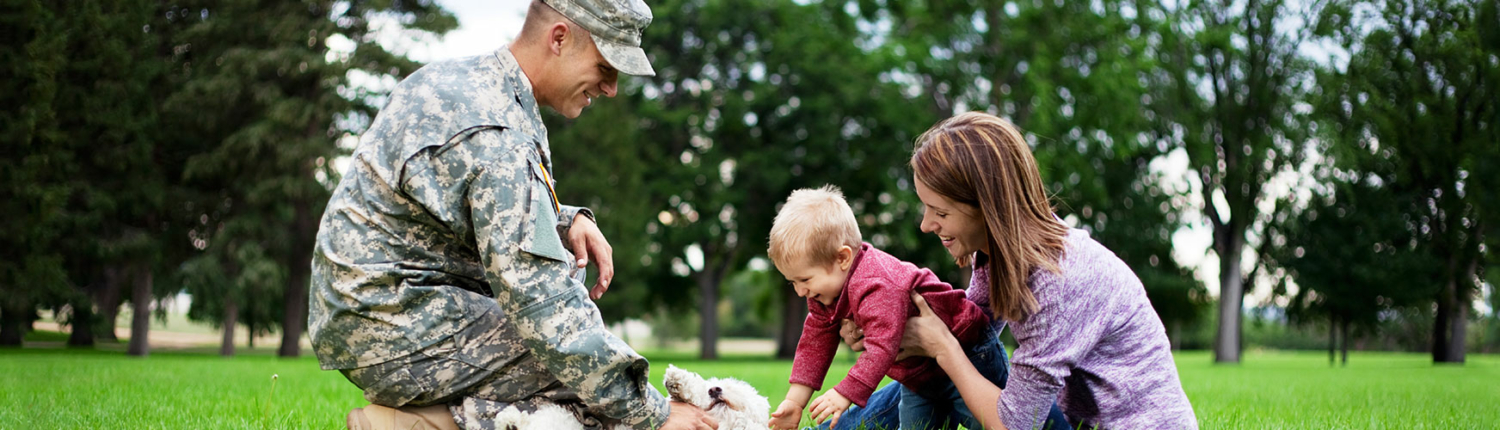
(715, 392)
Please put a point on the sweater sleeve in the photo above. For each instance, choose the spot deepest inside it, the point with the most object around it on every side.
(979, 293)
(1052, 343)
(882, 314)
(815, 349)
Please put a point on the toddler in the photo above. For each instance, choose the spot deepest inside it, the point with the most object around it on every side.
(815, 243)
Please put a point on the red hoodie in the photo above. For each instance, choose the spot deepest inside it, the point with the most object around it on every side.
(877, 296)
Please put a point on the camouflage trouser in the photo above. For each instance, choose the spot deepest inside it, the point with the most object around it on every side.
(477, 373)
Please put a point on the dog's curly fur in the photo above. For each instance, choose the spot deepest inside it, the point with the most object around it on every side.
(734, 403)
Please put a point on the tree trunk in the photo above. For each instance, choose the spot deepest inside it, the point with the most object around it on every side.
(1446, 312)
(1458, 329)
(108, 300)
(793, 313)
(1458, 319)
(708, 316)
(1344, 343)
(1440, 325)
(140, 321)
(231, 320)
(1332, 339)
(250, 333)
(294, 315)
(13, 322)
(1231, 296)
(83, 325)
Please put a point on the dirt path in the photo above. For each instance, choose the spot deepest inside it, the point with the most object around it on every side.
(159, 338)
(170, 339)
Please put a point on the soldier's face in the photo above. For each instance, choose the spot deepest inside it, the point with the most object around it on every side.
(585, 75)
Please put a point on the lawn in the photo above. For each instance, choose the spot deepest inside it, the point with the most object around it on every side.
(56, 388)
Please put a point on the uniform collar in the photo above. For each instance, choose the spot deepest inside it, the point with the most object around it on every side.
(516, 82)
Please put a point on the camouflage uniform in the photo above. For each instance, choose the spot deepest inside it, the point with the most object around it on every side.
(440, 275)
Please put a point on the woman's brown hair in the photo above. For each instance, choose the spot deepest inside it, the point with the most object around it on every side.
(982, 161)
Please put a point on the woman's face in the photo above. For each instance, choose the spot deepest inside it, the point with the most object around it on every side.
(958, 225)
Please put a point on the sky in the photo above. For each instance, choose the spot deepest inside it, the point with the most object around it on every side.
(483, 25)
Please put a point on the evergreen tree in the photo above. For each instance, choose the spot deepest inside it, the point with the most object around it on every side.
(267, 99)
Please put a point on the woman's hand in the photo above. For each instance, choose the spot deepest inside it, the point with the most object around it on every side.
(852, 334)
(926, 335)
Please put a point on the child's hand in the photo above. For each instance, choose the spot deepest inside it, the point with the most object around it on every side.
(787, 416)
(830, 404)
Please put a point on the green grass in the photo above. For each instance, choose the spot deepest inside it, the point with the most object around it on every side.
(1376, 390)
(44, 336)
(60, 388)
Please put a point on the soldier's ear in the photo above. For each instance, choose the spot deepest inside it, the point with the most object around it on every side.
(557, 36)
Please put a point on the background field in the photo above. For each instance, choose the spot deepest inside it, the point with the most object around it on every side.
(46, 388)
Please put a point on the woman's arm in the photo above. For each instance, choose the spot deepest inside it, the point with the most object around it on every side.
(926, 335)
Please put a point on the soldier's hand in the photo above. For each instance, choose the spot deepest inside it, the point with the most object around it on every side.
(589, 243)
(688, 417)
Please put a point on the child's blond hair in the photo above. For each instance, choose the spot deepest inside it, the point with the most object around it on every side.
(811, 227)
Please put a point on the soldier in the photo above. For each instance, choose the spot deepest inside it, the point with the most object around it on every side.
(442, 285)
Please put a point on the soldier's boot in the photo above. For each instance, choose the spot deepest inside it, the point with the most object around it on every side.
(376, 417)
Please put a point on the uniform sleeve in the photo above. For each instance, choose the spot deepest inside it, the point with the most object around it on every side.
(565, 218)
(516, 230)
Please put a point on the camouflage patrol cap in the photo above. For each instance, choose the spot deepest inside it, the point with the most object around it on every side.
(616, 27)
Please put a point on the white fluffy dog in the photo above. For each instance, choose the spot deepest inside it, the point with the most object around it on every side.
(548, 416)
(733, 402)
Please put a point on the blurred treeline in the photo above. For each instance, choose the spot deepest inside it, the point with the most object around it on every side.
(1338, 152)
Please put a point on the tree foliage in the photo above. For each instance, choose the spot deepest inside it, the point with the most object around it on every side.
(743, 111)
(1417, 106)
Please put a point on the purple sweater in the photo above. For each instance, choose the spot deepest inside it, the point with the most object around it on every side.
(1094, 345)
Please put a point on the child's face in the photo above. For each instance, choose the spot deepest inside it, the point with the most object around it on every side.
(820, 282)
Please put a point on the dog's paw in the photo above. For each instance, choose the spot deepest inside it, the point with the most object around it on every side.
(512, 419)
(685, 386)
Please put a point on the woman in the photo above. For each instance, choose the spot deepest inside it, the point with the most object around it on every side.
(1087, 335)
(1088, 338)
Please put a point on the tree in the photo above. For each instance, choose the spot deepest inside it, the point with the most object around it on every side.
(1419, 99)
(1059, 70)
(89, 172)
(33, 190)
(268, 97)
(224, 283)
(745, 108)
(1352, 258)
(1228, 89)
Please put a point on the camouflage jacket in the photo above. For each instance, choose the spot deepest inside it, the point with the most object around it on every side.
(448, 202)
